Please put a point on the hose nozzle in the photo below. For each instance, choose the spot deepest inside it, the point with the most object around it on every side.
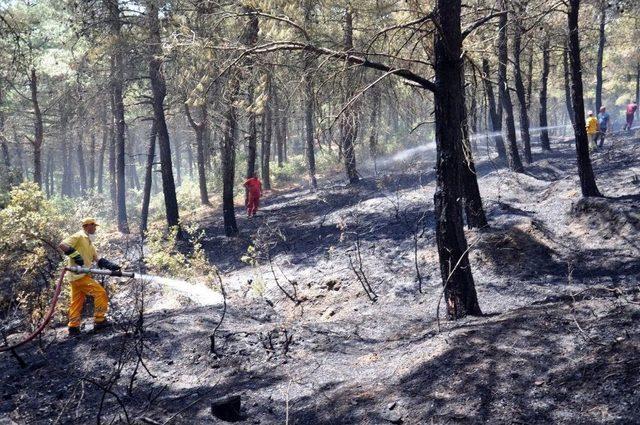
(105, 272)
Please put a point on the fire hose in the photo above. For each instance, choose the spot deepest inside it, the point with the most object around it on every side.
(56, 295)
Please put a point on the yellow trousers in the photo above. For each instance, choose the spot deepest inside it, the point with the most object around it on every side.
(80, 288)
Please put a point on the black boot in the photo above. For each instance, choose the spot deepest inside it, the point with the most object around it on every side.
(74, 331)
(100, 326)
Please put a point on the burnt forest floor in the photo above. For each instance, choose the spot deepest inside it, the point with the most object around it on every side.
(302, 342)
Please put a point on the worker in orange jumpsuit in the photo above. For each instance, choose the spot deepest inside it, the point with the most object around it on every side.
(254, 188)
(81, 252)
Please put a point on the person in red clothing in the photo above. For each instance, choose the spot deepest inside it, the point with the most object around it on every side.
(254, 187)
(632, 107)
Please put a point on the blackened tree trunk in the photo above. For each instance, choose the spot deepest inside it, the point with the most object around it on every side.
(38, 137)
(567, 84)
(349, 122)
(473, 209)
(585, 171)
(521, 93)
(544, 133)
(373, 126)
(250, 38)
(513, 157)
(159, 89)
(494, 113)
(599, 63)
(228, 156)
(252, 137)
(133, 171)
(529, 79)
(459, 289)
(117, 83)
(308, 103)
(277, 123)
(200, 128)
(267, 130)
(148, 177)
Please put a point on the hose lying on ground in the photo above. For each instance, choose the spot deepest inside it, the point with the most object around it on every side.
(46, 320)
(54, 301)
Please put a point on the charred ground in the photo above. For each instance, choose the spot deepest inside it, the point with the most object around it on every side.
(557, 279)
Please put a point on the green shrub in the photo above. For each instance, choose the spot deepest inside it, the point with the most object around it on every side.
(30, 229)
(290, 171)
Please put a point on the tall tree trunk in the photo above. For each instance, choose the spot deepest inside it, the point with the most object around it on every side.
(200, 129)
(544, 133)
(66, 188)
(494, 113)
(159, 89)
(277, 123)
(4, 146)
(117, 83)
(103, 147)
(92, 161)
(38, 138)
(190, 158)
(112, 163)
(513, 157)
(228, 156)
(349, 122)
(267, 130)
(567, 84)
(521, 93)
(638, 85)
(529, 79)
(459, 288)
(148, 177)
(19, 153)
(285, 131)
(308, 103)
(601, 42)
(49, 174)
(250, 38)
(473, 209)
(82, 169)
(374, 123)
(585, 171)
(177, 155)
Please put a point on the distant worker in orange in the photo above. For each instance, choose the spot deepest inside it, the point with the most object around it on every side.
(632, 107)
(254, 187)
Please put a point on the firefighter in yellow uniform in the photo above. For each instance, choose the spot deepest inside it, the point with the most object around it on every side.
(592, 131)
(81, 252)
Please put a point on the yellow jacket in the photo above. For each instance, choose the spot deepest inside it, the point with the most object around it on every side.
(592, 125)
(80, 242)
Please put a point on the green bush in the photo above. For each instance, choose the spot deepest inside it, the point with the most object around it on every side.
(30, 229)
(290, 171)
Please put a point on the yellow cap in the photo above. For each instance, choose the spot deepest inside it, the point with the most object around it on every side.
(89, 220)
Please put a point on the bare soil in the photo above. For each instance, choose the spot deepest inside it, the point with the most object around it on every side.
(557, 279)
